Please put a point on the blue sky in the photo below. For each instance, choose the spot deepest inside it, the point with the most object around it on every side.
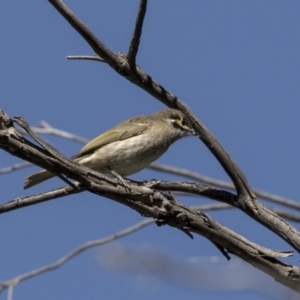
(235, 63)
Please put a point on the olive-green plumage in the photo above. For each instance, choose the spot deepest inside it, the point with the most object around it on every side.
(130, 146)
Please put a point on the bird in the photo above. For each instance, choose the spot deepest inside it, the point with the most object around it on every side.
(130, 146)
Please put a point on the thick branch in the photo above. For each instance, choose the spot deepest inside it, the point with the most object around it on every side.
(223, 184)
(151, 203)
(246, 198)
(137, 76)
(45, 128)
(261, 213)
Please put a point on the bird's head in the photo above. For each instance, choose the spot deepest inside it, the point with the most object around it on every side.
(177, 122)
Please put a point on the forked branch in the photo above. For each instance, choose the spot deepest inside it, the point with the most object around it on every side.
(151, 203)
(246, 199)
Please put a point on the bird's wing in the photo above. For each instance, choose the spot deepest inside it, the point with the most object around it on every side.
(115, 134)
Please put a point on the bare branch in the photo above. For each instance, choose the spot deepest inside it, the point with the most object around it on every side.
(40, 198)
(86, 57)
(14, 281)
(263, 215)
(10, 292)
(23, 124)
(120, 64)
(223, 184)
(197, 189)
(45, 128)
(149, 202)
(68, 190)
(192, 175)
(10, 284)
(135, 41)
(84, 31)
(15, 167)
(222, 206)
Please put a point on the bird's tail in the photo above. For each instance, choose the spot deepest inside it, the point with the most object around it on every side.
(37, 178)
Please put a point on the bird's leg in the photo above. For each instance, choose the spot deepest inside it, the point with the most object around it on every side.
(118, 176)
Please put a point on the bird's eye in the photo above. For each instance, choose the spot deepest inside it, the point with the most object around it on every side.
(179, 123)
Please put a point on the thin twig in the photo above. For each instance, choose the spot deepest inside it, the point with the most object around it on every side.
(14, 281)
(98, 47)
(45, 128)
(221, 206)
(86, 57)
(10, 292)
(222, 184)
(54, 153)
(190, 174)
(15, 167)
(135, 41)
(39, 198)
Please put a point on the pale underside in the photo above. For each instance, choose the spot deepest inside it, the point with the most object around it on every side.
(125, 157)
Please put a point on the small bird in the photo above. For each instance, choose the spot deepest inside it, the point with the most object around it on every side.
(130, 146)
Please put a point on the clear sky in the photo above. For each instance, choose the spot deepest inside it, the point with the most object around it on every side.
(235, 63)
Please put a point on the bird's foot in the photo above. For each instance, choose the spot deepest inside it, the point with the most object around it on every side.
(124, 182)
